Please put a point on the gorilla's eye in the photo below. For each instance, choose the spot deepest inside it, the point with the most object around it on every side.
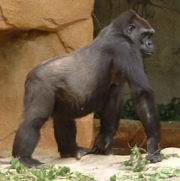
(130, 28)
(145, 34)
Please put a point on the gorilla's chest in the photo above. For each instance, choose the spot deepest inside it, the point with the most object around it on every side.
(80, 105)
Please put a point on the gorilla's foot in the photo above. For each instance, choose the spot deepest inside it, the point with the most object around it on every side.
(77, 153)
(103, 144)
(154, 158)
(81, 151)
(30, 162)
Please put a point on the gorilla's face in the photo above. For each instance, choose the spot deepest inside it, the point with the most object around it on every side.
(141, 36)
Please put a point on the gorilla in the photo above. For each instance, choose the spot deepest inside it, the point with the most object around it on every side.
(88, 80)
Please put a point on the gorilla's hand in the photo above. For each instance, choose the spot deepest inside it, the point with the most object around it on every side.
(102, 144)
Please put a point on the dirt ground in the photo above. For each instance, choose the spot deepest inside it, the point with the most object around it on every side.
(103, 167)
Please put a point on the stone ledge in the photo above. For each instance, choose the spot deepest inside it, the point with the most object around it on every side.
(131, 133)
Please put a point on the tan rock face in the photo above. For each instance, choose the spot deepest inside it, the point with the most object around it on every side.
(44, 14)
(30, 33)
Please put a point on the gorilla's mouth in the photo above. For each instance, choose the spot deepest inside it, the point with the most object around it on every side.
(148, 53)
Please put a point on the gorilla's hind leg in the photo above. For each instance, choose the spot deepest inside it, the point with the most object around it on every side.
(26, 140)
(38, 106)
(65, 134)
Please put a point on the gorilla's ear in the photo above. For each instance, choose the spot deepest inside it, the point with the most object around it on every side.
(130, 28)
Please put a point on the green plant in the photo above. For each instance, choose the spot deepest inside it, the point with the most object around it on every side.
(167, 112)
(129, 111)
(137, 164)
(136, 160)
(170, 111)
(175, 155)
(17, 165)
(22, 173)
(97, 115)
(118, 176)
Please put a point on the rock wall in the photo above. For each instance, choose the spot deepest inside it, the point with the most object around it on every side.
(163, 68)
(30, 32)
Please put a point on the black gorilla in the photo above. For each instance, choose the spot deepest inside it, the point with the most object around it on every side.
(87, 80)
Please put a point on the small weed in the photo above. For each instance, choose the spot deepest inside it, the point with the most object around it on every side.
(22, 173)
(118, 176)
(136, 161)
(137, 165)
(166, 156)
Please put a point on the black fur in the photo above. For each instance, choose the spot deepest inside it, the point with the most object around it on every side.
(87, 80)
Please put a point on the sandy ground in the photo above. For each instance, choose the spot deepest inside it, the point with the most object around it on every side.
(103, 167)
